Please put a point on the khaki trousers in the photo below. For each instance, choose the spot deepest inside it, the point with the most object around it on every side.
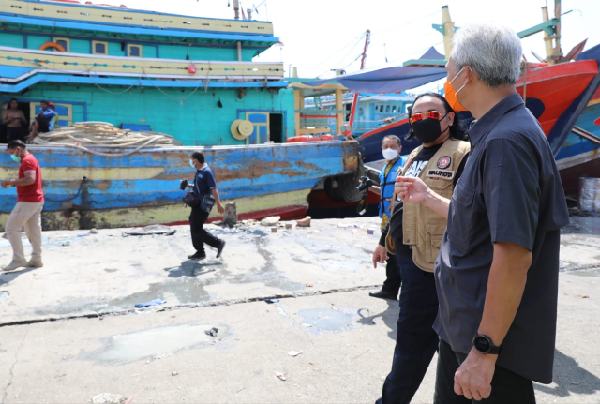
(25, 215)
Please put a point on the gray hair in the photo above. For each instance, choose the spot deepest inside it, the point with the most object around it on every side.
(394, 138)
(493, 52)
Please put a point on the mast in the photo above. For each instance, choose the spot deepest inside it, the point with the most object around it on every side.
(448, 29)
(363, 62)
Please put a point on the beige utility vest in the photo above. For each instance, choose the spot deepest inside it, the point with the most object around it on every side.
(423, 229)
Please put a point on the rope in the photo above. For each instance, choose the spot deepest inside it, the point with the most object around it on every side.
(88, 137)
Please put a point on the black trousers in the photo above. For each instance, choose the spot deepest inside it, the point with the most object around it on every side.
(392, 281)
(199, 235)
(507, 386)
(416, 342)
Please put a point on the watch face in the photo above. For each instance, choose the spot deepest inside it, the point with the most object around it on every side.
(482, 344)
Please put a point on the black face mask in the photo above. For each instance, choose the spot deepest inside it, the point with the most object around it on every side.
(427, 130)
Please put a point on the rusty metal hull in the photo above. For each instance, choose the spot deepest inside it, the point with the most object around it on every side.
(143, 188)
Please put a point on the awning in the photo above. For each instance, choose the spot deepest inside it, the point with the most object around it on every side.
(387, 80)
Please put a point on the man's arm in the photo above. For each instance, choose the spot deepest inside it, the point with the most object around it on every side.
(29, 178)
(505, 286)
(215, 194)
(414, 190)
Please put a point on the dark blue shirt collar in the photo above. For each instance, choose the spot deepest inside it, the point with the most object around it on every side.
(484, 125)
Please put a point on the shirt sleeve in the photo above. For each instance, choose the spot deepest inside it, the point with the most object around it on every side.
(210, 180)
(511, 191)
(29, 165)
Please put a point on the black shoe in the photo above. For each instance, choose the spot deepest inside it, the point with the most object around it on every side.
(220, 248)
(198, 256)
(383, 295)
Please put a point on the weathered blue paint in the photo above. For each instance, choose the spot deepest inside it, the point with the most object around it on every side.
(241, 171)
(58, 78)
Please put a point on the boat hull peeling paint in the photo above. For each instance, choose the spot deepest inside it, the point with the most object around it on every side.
(85, 190)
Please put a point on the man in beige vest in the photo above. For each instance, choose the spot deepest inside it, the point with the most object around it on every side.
(417, 232)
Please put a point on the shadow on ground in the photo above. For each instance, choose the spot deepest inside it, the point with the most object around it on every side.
(570, 378)
(389, 316)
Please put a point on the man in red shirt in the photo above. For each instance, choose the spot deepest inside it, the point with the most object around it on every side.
(27, 212)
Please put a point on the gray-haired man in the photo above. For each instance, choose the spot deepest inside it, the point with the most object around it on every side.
(497, 272)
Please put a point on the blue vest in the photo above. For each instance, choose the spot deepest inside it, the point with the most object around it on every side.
(387, 183)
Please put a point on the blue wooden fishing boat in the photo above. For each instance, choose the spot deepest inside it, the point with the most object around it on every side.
(192, 78)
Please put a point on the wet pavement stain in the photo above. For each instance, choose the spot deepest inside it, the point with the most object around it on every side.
(320, 320)
(154, 343)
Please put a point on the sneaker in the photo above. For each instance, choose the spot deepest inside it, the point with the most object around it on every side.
(220, 248)
(14, 265)
(35, 263)
(198, 256)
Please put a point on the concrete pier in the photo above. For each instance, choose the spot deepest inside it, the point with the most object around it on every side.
(283, 316)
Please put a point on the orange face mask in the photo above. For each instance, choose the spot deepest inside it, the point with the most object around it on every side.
(452, 96)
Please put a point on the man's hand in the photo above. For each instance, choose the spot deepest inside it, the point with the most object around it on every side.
(411, 189)
(220, 208)
(473, 378)
(6, 183)
(379, 255)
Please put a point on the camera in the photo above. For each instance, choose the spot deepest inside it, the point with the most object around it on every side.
(363, 183)
(183, 185)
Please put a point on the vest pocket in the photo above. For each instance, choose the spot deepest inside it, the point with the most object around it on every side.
(435, 234)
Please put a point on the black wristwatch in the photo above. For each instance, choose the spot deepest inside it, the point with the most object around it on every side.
(484, 344)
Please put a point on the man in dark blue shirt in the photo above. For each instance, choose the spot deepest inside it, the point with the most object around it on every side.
(497, 272)
(204, 185)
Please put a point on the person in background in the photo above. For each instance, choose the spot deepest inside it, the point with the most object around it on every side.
(415, 232)
(497, 272)
(14, 119)
(391, 146)
(44, 120)
(204, 184)
(27, 212)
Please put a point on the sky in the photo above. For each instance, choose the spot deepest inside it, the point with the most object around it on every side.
(317, 36)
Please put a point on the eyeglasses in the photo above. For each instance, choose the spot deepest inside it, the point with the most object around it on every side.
(419, 116)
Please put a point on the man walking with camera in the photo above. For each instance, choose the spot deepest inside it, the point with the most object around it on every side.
(204, 194)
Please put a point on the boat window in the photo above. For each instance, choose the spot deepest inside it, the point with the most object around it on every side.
(64, 42)
(387, 108)
(134, 50)
(100, 47)
(394, 108)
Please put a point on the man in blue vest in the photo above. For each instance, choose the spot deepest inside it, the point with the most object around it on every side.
(391, 146)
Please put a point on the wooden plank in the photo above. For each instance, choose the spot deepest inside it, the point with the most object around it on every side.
(128, 66)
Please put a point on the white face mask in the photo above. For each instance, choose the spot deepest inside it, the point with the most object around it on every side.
(192, 164)
(389, 154)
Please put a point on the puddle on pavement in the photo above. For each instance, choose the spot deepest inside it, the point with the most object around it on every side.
(326, 319)
(154, 343)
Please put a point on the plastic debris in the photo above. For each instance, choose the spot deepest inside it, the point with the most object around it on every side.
(303, 222)
(271, 301)
(150, 230)
(174, 373)
(293, 354)
(370, 231)
(281, 376)
(273, 229)
(289, 226)
(270, 221)
(213, 332)
(151, 303)
(107, 398)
